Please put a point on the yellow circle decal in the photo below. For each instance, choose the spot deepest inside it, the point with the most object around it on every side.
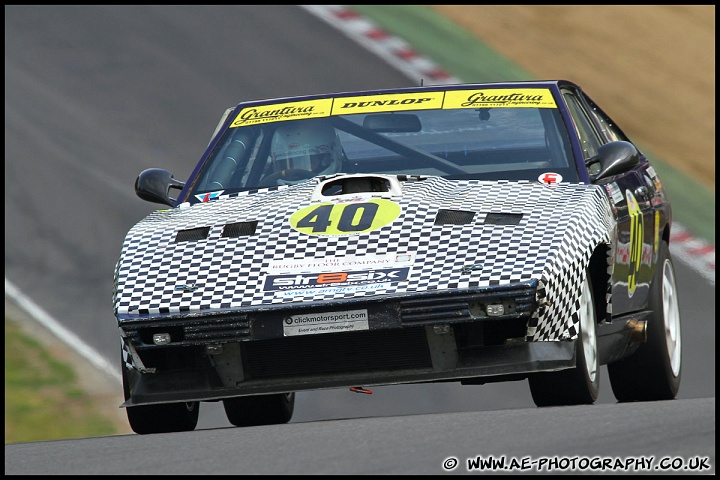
(344, 218)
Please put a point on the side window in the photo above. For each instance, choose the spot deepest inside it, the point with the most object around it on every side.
(589, 138)
(229, 165)
(608, 127)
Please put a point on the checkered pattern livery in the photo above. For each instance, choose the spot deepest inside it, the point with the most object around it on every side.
(553, 243)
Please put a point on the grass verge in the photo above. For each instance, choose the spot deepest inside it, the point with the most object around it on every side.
(43, 397)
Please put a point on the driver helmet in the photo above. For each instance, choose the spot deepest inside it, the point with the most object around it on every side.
(311, 145)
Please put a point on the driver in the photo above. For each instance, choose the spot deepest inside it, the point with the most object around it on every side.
(304, 149)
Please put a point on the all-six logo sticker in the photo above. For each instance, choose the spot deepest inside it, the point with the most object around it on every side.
(309, 281)
(344, 218)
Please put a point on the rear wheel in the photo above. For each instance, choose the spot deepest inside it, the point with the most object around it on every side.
(260, 409)
(161, 418)
(653, 371)
(579, 385)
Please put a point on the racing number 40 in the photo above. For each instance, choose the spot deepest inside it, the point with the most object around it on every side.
(354, 217)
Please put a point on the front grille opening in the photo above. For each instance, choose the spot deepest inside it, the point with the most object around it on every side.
(516, 302)
(489, 332)
(168, 359)
(192, 235)
(333, 353)
(454, 217)
(240, 229)
(189, 331)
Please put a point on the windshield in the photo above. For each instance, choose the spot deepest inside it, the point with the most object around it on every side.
(513, 143)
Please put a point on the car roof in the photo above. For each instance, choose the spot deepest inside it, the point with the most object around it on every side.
(549, 84)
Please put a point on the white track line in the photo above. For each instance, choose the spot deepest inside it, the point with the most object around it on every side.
(62, 333)
(394, 50)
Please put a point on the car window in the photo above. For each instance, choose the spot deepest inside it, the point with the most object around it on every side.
(513, 143)
(609, 128)
(478, 141)
(589, 139)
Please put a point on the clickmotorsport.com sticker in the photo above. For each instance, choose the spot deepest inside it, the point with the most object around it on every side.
(579, 464)
(314, 323)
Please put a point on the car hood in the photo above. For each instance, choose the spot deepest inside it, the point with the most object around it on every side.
(293, 244)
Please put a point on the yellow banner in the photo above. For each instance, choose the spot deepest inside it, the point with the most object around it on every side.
(283, 111)
(395, 102)
(499, 98)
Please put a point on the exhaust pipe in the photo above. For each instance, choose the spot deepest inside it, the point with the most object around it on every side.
(638, 330)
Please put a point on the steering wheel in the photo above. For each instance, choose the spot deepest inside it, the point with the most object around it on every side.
(291, 175)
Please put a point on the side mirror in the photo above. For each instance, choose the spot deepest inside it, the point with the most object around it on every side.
(154, 184)
(612, 159)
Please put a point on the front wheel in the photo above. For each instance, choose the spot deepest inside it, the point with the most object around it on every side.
(161, 418)
(579, 385)
(653, 371)
(260, 409)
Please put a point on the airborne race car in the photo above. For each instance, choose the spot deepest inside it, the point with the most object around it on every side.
(474, 233)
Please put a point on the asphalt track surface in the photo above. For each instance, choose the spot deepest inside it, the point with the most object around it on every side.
(96, 94)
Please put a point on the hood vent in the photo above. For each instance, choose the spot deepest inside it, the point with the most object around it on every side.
(503, 218)
(240, 229)
(358, 184)
(192, 235)
(454, 217)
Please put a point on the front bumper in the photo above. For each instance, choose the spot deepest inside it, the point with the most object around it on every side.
(227, 380)
(428, 337)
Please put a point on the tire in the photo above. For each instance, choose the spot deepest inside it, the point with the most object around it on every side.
(260, 409)
(579, 385)
(161, 418)
(653, 372)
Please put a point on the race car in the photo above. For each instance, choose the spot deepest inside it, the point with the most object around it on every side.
(472, 233)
